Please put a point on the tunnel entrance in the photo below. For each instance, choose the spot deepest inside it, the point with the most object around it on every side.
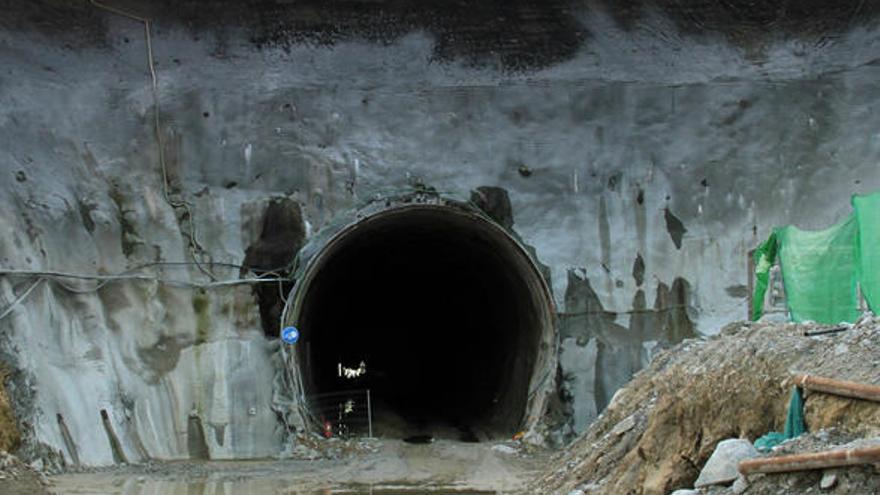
(437, 311)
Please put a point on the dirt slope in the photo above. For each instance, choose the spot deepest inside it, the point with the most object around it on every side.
(9, 434)
(660, 429)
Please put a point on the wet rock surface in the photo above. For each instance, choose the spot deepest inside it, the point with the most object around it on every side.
(727, 117)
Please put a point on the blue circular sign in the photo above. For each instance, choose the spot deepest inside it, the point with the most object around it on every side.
(290, 335)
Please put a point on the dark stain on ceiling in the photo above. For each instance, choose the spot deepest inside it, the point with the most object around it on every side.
(512, 35)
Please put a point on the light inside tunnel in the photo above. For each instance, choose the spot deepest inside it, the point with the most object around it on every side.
(444, 308)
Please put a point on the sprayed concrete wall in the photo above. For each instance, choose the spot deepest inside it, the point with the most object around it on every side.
(644, 151)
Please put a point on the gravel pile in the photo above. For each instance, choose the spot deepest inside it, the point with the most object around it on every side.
(659, 430)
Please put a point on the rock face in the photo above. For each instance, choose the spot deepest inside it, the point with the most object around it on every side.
(640, 168)
(721, 468)
(702, 392)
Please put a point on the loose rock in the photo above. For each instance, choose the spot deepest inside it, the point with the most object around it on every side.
(624, 426)
(828, 481)
(740, 485)
(722, 466)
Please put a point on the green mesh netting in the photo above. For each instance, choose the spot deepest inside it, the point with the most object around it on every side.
(867, 212)
(819, 272)
(768, 441)
(794, 421)
(821, 269)
(794, 424)
(764, 257)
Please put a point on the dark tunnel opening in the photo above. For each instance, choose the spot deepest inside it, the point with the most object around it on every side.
(444, 309)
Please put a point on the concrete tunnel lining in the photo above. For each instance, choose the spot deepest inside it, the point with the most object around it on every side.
(449, 312)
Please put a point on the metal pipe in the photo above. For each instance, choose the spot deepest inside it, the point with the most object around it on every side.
(838, 387)
(805, 462)
(825, 332)
(369, 414)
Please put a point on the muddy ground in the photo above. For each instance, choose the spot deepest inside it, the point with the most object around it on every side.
(654, 437)
(17, 478)
(377, 467)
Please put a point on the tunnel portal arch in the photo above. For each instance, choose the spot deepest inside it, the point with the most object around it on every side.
(448, 311)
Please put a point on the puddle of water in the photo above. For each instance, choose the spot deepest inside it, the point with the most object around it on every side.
(380, 491)
(401, 491)
(141, 486)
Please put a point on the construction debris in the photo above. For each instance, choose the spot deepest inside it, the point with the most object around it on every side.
(806, 462)
(828, 481)
(732, 385)
(842, 388)
(17, 478)
(721, 468)
(857, 479)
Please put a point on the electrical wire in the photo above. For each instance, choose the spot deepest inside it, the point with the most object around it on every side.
(194, 244)
(105, 279)
(21, 298)
(57, 277)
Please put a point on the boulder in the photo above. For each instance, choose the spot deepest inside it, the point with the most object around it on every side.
(721, 468)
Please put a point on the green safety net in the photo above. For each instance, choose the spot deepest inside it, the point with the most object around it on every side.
(764, 257)
(821, 269)
(867, 212)
(819, 272)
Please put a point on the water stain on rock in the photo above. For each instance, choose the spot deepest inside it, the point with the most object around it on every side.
(281, 237)
(675, 227)
(160, 358)
(495, 202)
(621, 351)
(738, 291)
(638, 272)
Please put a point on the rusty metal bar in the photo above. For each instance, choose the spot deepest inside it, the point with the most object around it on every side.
(805, 462)
(838, 387)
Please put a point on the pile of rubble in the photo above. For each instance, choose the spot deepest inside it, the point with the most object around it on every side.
(311, 446)
(840, 480)
(17, 478)
(660, 430)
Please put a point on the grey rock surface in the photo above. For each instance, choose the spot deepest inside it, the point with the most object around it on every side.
(721, 468)
(828, 481)
(740, 485)
(624, 426)
(650, 148)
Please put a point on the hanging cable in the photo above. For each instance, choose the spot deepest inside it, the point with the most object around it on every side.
(194, 245)
(21, 298)
(129, 275)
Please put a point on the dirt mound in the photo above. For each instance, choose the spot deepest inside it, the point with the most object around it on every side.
(10, 437)
(661, 428)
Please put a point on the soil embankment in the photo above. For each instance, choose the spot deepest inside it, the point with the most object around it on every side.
(660, 429)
